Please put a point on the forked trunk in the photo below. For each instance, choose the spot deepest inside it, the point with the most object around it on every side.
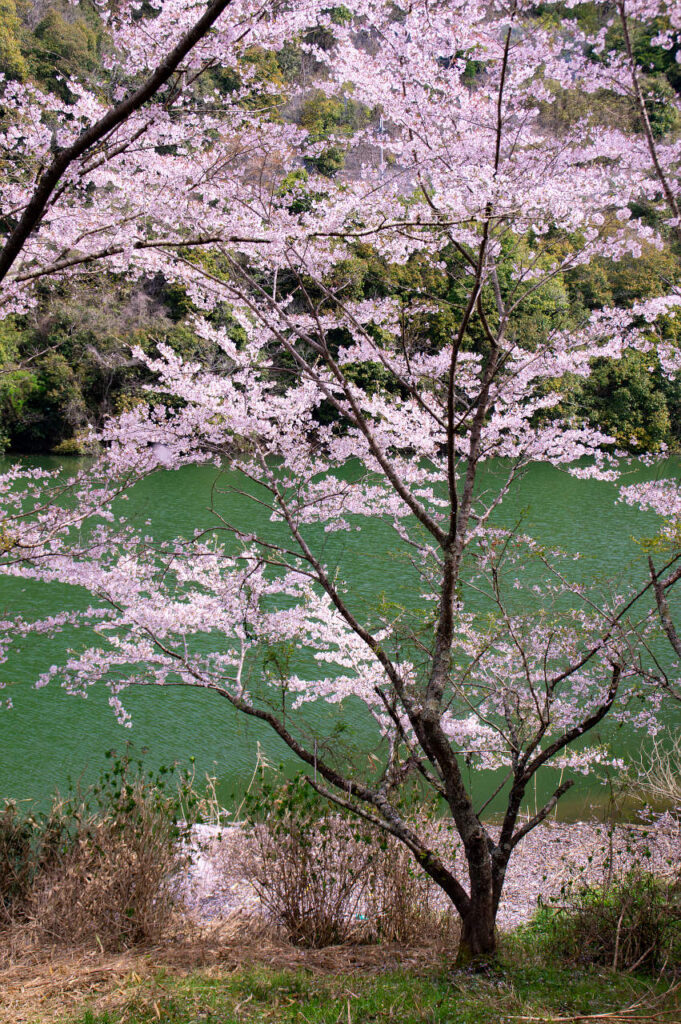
(478, 936)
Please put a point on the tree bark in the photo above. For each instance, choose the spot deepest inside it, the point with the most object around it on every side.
(478, 935)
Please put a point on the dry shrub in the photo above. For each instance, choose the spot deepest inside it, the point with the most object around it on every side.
(114, 885)
(656, 776)
(326, 878)
(15, 860)
(100, 869)
(405, 905)
(30, 845)
(311, 878)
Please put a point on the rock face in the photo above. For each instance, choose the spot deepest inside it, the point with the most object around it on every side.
(554, 854)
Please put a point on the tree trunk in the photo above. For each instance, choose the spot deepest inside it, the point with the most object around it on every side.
(478, 936)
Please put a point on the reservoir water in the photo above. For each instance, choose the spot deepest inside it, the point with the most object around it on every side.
(50, 738)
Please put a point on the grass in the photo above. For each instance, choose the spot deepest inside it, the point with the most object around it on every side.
(519, 987)
(238, 974)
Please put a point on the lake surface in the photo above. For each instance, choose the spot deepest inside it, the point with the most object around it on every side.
(50, 738)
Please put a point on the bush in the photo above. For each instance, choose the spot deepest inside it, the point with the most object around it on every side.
(30, 847)
(310, 872)
(100, 867)
(16, 860)
(79, 446)
(403, 904)
(326, 878)
(635, 922)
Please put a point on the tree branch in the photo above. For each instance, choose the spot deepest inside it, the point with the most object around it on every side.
(543, 813)
(116, 116)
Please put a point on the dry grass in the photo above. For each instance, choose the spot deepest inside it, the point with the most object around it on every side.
(45, 982)
(103, 874)
(54, 984)
(113, 888)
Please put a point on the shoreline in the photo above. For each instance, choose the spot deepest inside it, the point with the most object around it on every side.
(554, 855)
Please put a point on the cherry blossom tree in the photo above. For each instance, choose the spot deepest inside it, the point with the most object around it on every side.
(340, 410)
(663, 156)
(662, 159)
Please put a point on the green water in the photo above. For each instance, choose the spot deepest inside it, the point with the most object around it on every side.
(51, 737)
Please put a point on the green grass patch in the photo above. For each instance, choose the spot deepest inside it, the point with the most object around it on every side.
(519, 985)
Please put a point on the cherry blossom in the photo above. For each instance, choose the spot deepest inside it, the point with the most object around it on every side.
(332, 412)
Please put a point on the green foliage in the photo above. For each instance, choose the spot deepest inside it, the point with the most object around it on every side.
(277, 802)
(294, 188)
(330, 161)
(325, 116)
(591, 17)
(625, 398)
(259, 70)
(12, 61)
(662, 113)
(266, 78)
(64, 45)
(545, 310)
(634, 922)
(290, 61)
(656, 58)
(630, 398)
(609, 283)
(567, 107)
(660, 75)
(372, 377)
(67, 364)
(38, 406)
(77, 446)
